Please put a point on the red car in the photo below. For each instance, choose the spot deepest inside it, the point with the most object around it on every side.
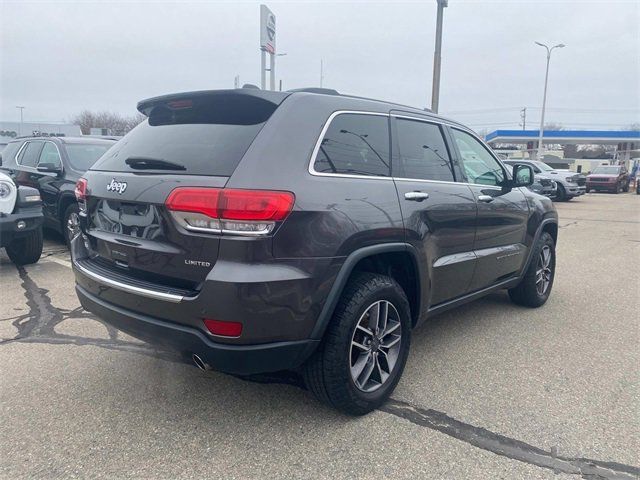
(611, 178)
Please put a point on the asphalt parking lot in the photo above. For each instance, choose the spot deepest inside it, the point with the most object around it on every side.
(491, 390)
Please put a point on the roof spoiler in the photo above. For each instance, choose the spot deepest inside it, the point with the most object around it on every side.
(275, 98)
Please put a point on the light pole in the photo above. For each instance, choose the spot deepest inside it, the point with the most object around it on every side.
(21, 109)
(544, 96)
(435, 87)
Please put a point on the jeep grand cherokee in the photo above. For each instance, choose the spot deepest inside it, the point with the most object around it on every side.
(257, 231)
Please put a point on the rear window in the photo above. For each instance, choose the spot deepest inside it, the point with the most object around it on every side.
(355, 144)
(29, 154)
(422, 152)
(201, 136)
(83, 155)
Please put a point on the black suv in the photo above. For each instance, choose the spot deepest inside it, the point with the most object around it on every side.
(257, 231)
(53, 165)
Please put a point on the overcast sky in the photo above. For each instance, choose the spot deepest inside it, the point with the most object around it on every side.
(57, 58)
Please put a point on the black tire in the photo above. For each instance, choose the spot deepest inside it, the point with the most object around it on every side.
(70, 212)
(561, 194)
(327, 374)
(27, 249)
(527, 292)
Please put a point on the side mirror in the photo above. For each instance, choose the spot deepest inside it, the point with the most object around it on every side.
(522, 175)
(49, 168)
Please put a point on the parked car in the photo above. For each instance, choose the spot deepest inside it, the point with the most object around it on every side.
(610, 178)
(544, 186)
(569, 184)
(20, 222)
(53, 165)
(256, 231)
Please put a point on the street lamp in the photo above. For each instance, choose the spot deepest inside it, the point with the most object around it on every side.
(544, 96)
(21, 109)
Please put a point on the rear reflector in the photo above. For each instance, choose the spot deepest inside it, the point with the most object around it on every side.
(81, 189)
(225, 329)
(243, 212)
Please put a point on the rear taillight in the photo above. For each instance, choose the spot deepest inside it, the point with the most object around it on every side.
(81, 189)
(219, 210)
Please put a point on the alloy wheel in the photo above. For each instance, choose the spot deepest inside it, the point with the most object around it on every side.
(543, 272)
(375, 346)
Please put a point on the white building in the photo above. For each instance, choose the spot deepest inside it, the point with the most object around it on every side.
(11, 130)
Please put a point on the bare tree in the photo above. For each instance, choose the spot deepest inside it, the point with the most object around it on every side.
(116, 124)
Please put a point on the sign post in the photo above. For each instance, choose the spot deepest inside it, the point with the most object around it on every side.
(268, 45)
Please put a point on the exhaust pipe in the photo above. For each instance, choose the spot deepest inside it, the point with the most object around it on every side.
(200, 363)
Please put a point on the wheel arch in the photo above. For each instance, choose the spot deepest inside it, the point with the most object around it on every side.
(398, 260)
(66, 199)
(548, 225)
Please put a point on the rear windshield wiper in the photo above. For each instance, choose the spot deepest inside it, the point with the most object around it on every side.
(145, 163)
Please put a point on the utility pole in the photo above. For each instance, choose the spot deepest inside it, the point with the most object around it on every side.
(435, 89)
(321, 74)
(544, 97)
(523, 117)
(21, 119)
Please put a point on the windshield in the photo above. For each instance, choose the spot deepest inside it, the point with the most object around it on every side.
(607, 170)
(543, 166)
(83, 155)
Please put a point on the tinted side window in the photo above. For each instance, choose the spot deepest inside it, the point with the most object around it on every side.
(50, 155)
(29, 154)
(478, 164)
(355, 144)
(9, 153)
(422, 152)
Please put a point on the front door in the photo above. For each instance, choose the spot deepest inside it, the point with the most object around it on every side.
(439, 214)
(502, 213)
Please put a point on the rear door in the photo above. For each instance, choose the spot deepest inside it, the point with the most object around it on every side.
(502, 213)
(49, 183)
(439, 214)
(193, 142)
(26, 162)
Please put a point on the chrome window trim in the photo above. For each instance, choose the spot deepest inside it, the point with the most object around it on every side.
(433, 121)
(24, 145)
(316, 148)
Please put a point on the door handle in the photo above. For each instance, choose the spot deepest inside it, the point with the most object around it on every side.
(485, 198)
(416, 196)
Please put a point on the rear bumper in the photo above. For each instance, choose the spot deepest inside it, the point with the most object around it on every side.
(32, 218)
(234, 359)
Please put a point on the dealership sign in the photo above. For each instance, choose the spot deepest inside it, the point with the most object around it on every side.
(267, 29)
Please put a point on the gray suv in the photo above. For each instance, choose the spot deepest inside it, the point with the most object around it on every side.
(256, 231)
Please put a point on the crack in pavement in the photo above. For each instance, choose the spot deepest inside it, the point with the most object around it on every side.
(38, 326)
(508, 447)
